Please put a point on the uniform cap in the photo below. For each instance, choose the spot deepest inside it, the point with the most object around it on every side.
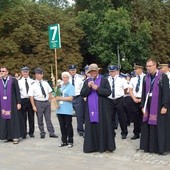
(162, 65)
(38, 71)
(136, 66)
(25, 68)
(72, 67)
(113, 68)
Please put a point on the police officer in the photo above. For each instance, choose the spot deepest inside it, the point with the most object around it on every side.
(135, 91)
(118, 86)
(27, 112)
(40, 96)
(164, 68)
(78, 103)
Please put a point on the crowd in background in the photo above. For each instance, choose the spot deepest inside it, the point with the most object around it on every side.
(100, 103)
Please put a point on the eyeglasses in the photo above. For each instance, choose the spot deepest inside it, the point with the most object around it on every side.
(149, 66)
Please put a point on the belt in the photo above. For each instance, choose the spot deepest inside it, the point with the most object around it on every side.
(118, 98)
(25, 98)
(41, 101)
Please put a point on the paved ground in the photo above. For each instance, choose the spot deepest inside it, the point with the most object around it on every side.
(42, 154)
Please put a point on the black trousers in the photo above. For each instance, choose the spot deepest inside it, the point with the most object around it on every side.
(66, 128)
(128, 109)
(137, 117)
(27, 113)
(117, 106)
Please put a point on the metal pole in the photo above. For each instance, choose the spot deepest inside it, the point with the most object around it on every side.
(118, 57)
(56, 72)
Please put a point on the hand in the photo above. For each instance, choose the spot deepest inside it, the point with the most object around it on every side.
(94, 86)
(90, 83)
(18, 106)
(57, 98)
(144, 113)
(163, 110)
(136, 100)
(34, 108)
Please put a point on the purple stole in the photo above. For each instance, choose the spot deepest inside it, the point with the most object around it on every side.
(93, 101)
(152, 117)
(5, 97)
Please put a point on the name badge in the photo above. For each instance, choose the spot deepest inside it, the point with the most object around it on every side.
(150, 94)
(5, 97)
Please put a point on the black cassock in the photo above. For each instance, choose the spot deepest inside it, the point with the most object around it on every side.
(98, 136)
(156, 138)
(10, 129)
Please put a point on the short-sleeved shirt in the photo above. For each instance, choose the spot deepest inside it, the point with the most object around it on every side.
(36, 92)
(78, 83)
(66, 107)
(22, 86)
(133, 84)
(120, 85)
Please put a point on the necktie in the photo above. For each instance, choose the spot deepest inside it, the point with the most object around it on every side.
(26, 85)
(138, 84)
(73, 80)
(42, 90)
(113, 88)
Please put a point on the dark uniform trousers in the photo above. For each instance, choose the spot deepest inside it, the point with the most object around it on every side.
(78, 105)
(27, 113)
(136, 117)
(117, 106)
(44, 108)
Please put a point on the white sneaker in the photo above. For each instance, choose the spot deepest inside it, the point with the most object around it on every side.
(70, 145)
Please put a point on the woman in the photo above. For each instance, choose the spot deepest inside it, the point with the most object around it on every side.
(65, 111)
(98, 129)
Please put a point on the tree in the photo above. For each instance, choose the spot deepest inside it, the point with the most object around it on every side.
(24, 37)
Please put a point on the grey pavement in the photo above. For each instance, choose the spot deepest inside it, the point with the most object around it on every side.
(42, 154)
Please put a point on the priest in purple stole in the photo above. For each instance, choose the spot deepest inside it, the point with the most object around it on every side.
(155, 129)
(10, 104)
(98, 128)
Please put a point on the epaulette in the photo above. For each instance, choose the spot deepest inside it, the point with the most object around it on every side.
(32, 82)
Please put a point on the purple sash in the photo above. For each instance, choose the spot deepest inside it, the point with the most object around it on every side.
(152, 117)
(5, 98)
(93, 101)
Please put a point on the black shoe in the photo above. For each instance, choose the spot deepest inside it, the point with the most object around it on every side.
(81, 133)
(32, 136)
(42, 136)
(123, 136)
(53, 136)
(135, 137)
(62, 144)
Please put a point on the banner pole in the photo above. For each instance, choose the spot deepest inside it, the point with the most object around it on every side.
(56, 72)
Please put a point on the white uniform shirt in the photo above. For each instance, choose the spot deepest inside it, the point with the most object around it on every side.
(22, 87)
(78, 83)
(120, 86)
(133, 83)
(35, 90)
(168, 75)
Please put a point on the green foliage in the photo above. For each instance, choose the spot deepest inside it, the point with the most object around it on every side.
(24, 37)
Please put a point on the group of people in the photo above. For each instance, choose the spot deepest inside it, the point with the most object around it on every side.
(99, 103)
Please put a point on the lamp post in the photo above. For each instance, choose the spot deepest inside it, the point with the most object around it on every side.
(118, 57)
(120, 54)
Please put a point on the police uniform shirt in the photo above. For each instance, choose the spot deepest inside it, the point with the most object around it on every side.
(120, 85)
(168, 75)
(22, 87)
(36, 92)
(78, 83)
(133, 84)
